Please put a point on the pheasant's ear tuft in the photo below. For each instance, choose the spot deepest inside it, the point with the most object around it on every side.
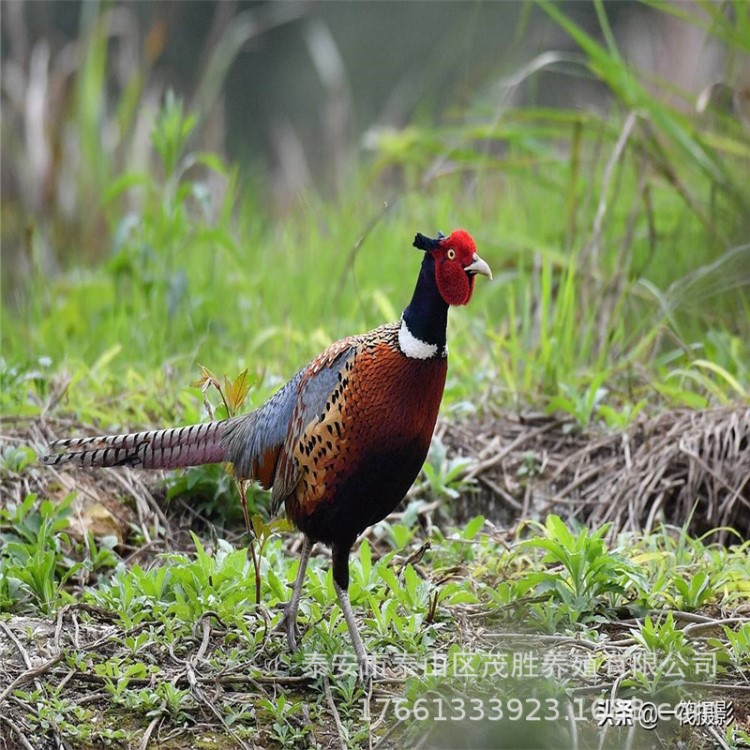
(426, 243)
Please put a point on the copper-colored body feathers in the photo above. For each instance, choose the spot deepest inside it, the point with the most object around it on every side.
(380, 414)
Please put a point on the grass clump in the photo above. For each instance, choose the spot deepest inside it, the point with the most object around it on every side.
(432, 616)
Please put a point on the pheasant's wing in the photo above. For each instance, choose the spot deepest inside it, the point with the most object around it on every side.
(253, 441)
(259, 443)
(317, 385)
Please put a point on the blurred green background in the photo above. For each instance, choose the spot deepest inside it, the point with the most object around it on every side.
(237, 184)
(295, 93)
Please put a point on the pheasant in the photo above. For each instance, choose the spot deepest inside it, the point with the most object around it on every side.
(341, 443)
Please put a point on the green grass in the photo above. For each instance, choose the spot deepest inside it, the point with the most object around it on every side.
(626, 604)
(181, 289)
(621, 278)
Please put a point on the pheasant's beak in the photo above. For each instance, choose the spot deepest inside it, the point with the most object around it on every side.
(477, 265)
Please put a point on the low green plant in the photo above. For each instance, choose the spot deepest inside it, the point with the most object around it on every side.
(399, 535)
(118, 672)
(530, 466)
(694, 592)
(31, 519)
(263, 532)
(285, 729)
(209, 490)
(619, 418)
(349, 690)
(736, 647)
(583, 404)
(143, 701)
(34, 566)
(183, 589)
(65, 717)
(14, 459)
(661, 637)
(662, 655)
(175, 702)
(586, 577)
(736, 738)
(445, 476)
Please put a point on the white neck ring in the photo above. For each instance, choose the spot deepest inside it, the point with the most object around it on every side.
(415, 348)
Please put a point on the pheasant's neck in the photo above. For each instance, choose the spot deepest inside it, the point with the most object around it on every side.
(423, 323)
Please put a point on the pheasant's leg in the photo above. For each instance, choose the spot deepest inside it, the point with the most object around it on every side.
(341, 584)
(289, 621)
(346, 608)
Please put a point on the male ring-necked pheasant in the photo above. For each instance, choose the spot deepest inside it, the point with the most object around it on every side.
(341, 443)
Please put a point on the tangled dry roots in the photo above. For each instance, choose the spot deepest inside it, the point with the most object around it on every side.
(680, 465)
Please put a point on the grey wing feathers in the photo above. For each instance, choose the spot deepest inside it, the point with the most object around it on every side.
(316, 385)
(247, 439)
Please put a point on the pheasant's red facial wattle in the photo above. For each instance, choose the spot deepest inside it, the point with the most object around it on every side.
(453, 283)
(456, 264)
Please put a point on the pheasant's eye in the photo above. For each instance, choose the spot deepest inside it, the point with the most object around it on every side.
(451, 253)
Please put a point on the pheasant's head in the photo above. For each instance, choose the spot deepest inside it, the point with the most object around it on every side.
(456, 264)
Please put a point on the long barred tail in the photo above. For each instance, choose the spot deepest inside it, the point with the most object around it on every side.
(158, 449)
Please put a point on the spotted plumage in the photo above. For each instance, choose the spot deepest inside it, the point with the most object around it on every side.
(340, 444)
(356, 457)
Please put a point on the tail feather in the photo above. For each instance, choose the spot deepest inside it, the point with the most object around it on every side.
(158, 449)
